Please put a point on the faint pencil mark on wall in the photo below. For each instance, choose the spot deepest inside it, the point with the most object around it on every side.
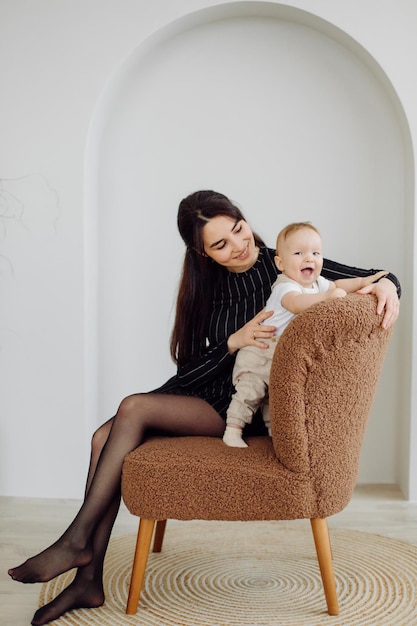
(29, 203)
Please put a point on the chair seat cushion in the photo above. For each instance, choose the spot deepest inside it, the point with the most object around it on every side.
(202, 478)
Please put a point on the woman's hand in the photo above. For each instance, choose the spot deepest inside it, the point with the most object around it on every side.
(388, 300)
(252, 333)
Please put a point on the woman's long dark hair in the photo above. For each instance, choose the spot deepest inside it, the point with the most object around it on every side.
(199, 272)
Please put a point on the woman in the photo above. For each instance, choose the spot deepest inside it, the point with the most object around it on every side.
(226, 280)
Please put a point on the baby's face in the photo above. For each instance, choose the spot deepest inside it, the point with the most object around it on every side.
(300, 256)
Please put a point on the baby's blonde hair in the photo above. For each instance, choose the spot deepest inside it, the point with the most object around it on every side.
(290, 229)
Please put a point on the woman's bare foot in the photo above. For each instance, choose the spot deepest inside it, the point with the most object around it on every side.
(57, 559)
(78, 595)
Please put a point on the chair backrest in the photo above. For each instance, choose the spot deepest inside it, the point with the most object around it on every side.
(323, 380)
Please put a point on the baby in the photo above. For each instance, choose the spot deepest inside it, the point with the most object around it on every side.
(299, 258)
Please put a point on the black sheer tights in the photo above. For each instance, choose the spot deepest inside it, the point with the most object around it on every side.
(83, 545)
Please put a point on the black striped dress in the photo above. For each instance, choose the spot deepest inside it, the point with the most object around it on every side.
(239, 297)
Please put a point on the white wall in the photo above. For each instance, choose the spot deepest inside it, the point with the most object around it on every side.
(64, 93)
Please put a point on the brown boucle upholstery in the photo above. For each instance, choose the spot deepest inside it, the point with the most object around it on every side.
(323, 379)
(322, 385)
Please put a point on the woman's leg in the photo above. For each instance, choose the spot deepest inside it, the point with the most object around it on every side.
(176, 415)
(86, 590)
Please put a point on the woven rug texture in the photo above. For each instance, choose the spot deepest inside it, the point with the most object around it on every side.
(254, 574)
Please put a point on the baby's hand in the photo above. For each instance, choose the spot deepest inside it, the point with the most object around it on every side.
(336, 293)
(368, 280)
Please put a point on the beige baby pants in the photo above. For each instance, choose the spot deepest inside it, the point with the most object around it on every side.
(251, 381)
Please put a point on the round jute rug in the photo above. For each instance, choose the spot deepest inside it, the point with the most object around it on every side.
(254, 574)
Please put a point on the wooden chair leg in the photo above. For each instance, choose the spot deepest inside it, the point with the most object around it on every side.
(324, 556)
(159, 535)
(143, 544)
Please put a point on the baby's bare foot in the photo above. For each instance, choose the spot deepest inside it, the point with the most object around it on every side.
(58, 558)
(78, 595)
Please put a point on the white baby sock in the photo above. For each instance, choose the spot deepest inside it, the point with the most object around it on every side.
(233, 437)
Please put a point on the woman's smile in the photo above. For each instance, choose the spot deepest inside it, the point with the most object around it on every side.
(243, 254)
(230, 243)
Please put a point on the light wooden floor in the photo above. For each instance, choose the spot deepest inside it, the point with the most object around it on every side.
(29, 525)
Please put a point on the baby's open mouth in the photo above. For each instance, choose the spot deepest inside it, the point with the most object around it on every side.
(307, 271)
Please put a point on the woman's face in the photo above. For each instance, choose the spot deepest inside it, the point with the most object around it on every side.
(230, 243)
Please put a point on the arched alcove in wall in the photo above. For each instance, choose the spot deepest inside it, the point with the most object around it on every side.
(286, 115)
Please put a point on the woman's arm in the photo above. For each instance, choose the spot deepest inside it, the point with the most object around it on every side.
(351, 285)
(214, 360)
(334, 271)
(386, 289)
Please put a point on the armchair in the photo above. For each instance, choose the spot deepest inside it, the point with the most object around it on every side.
(323, 379)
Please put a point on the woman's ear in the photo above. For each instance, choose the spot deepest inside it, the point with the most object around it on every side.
(279, 263)
(201, 253)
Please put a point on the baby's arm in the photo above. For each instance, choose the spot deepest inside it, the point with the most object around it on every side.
(354, 284)
(297, 302)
